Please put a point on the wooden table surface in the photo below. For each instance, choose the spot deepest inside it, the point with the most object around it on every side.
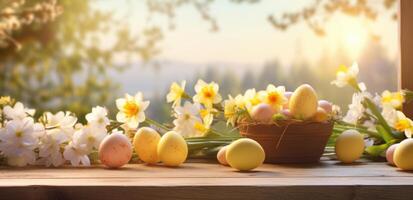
(200, 180)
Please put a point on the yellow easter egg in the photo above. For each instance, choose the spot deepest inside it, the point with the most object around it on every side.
(245, 154)
(145, 143)
(172, 149)
(403, 155)
(349, 146)
(320, 116)
(303, 102)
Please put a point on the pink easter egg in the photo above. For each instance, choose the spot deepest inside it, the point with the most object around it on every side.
(115, 150)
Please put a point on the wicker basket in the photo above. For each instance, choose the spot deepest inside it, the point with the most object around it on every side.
(290, 143)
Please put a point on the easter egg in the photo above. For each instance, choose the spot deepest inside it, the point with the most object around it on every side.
(327, 106)
(221, 156)
(390, 154)
(403, 155)
(115, 150)
(262, 113)
(303, 102)
(245, 154)
(286, 113)
(320, 116)
(172, 149)
(145, 143)
(349, 146)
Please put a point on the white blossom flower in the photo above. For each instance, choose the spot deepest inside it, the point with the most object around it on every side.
(186, 118)
(90, 136)
(18, 142)
(84, 140)
(18, 111)
(98, 117)
(131, 109)
(50, 150)
(356, 109)
(60, 124)
(76, 154)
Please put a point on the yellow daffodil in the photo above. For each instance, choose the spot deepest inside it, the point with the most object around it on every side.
(230, 110)
(131, 109)
(176, 92)
(346, 76)
(404, 124)
(397, 120)
(203, 128)
(394, 99)
(207, 93)
(274, 96)
(251, 98)
(207, 111)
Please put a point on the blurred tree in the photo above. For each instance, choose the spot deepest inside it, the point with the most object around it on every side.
(63, 64)
(321, 11)
(14, 14)
(229, 84)
(248, 80)
(271, 73)
(314, 15)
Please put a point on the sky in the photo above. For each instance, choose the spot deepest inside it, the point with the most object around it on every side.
(245, 37)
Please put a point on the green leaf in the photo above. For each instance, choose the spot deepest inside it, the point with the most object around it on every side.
(375, 111)
(378, 150)
(387, 137)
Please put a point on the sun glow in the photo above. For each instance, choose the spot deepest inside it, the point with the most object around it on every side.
(351, 34)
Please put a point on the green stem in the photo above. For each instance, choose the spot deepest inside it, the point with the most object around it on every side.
(371, 133)
(375, 111)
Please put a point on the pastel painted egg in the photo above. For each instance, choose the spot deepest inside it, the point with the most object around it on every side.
(172, 149)
(262, 113)
(390, 153)
(320, 116)
(349, 146)
(221, 156)
(115, 150)
(145, 143)
(326, 105)
(403, 155)
(286, 113)
(303, 102)
(245, 154)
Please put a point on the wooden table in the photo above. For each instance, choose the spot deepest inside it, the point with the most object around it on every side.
(194, 180)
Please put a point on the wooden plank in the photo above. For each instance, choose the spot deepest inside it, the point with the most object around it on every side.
(326, 180)
(406, 50)
(206, 170)
(216, 193)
